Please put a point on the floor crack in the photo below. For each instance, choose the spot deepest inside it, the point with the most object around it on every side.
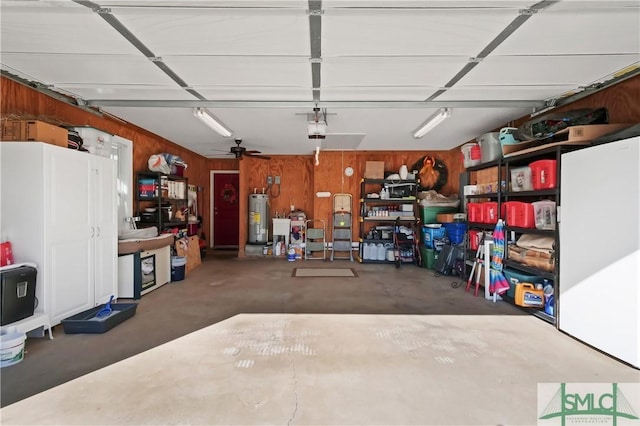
(295, 391)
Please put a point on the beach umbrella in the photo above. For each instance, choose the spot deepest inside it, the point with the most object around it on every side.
(498, 282)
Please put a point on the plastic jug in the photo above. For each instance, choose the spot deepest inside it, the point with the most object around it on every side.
(380, 252)
(366, 251)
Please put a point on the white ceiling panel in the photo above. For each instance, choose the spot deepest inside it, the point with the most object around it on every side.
(389, 128)
(545, 70)
(96, 69)
(483, 93)
(57, 27)
(149, 92)
(395, 93)
(390, 71)
(212, 31)
(261, 4)
(410, 32)
(255, 52)
(256, 93)
(577, 28)
(428, 4)
(242, 70)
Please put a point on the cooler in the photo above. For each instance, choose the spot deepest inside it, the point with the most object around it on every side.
(18, 293)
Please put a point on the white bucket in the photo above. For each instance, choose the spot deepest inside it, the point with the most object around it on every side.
(11, 348)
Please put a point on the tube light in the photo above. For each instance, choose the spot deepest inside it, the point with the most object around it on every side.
(212, 122)
(432, 122)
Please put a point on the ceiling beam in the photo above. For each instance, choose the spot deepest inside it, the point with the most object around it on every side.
(168, 103)
(315, 39)
(517, 22)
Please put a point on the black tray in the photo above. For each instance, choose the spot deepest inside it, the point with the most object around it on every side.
(85, 322)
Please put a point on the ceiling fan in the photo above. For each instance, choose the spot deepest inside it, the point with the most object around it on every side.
(240, 151)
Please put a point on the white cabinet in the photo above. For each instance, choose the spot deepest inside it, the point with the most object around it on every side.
(59, 212)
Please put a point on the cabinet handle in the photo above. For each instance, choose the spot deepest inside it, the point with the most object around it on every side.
(93, 231)
(98, 234)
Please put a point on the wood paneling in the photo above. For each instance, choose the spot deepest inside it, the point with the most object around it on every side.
(300, 177)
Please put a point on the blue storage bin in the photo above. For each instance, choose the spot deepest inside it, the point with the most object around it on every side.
(430, 235)
(514, 277)
(455, 231)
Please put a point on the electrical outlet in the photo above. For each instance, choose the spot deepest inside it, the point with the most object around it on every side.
(277, 180)
(269, 181)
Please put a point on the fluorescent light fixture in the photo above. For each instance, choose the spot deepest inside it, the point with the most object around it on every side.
(432, 122)
(208, 119)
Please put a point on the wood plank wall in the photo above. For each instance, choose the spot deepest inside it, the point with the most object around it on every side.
(300, 177)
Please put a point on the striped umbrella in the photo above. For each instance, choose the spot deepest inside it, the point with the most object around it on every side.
(498, 282)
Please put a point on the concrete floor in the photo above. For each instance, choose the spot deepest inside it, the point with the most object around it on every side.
(242, 342)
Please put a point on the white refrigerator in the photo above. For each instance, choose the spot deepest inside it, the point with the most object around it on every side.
(599, 224)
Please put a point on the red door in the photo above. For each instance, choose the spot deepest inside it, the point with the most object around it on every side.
(225, 210)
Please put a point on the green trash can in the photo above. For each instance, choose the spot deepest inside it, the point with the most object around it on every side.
(429, 257)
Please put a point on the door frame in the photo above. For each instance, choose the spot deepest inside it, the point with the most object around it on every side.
(212, 174)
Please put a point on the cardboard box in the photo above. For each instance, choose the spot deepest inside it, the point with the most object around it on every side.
(446, 217)
(489, 175)
(374, 170)
(34, 130)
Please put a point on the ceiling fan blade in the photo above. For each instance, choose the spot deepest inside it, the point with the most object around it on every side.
(264, 157)
(253, 151)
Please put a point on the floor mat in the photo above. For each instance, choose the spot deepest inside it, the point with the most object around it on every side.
(323, 272)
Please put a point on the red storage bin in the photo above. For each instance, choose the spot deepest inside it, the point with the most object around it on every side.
(474, 239)
(543, 174)
(474, 212)
(519, 214)
(490, 212)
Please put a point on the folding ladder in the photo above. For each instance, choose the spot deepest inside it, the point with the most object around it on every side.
(341, 227)
(315, 240)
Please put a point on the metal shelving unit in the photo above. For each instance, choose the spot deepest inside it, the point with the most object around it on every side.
(387, 213)
(162, 192)
(504, 165)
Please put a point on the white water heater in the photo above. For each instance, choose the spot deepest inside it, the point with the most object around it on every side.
(258, 218)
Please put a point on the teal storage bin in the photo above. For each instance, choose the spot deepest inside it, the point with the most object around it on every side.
(515, 277)
(428, 214)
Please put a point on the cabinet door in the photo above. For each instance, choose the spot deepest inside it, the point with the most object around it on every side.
(104, 210)
(68, 223)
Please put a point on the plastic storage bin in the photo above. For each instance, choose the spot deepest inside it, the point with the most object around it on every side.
(474, 239)
(545, 214)
(86, 322)
(455, 231)
(474, 212)
(516, 277)
(428, 214)
(521, 179)
(490, 148)
(543, 174)
(490, 212)
(431, 234)
(471, 154)
(519, 214)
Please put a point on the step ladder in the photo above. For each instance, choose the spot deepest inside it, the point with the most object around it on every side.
(315, 241)
(341, 229)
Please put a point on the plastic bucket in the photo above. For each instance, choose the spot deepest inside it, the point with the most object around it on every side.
(11, 348)
(178, 265)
